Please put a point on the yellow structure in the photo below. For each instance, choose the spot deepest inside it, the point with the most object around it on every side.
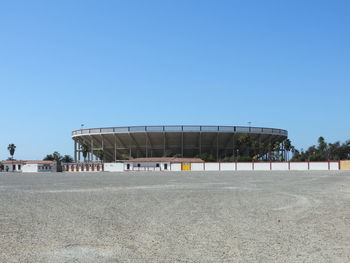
(344, 165)
(186, 166)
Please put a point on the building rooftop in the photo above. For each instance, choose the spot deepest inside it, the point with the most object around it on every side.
(26, 162)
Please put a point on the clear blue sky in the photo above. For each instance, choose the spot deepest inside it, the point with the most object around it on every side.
(283, 64)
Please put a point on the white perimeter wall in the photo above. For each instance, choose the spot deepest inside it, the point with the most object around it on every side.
(334, 166)
(262, 166)
(212, 166)
(114, 167)
(298, 166)
(228, 166)
(232, 166)
(176, 167)
(197, 166)
(30, 168)
(244, 167)
(280, 166)
(319, 166)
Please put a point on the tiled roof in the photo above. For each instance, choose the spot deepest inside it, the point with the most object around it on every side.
(26, 162)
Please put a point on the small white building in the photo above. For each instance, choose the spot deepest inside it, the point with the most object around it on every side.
(27, 166)
(153, 164)
(160, 164)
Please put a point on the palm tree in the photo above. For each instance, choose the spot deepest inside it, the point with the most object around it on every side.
(269, 151)
(84, 150)
(276, 150)
(67, 159)
(100, 154)
(287, 147)
(49, 157)
(11, 148)
(57, 156)
(322, 145)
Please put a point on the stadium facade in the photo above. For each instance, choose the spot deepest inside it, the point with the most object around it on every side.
(116, 143)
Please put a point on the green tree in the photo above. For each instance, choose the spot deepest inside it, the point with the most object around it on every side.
(324, 151)
(11, 148)
(55, 156)
(67, 159)
(207, 157)
(48, 157)
(100, 154)
(287, 144)
(322, 145)
(85, 150)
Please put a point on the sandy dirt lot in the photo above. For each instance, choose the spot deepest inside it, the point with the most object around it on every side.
(175, 217)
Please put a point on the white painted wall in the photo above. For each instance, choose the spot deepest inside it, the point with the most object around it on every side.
(212, 166)
(10, 167)
(30, 168)
(114, 167)
(280, 166)
(197, 166)
(228, 166)
(261, 166)
(126, 167)
(162, 166)
(244, 167)
(334, 165)
(318, 166)
(299, 166)
(176, 167)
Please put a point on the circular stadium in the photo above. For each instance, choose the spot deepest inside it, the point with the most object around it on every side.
(207, 142)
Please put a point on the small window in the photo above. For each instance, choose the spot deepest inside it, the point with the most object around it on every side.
(128, 166)
(19, 167)
(14, 167)
(165, 166)
(138, 165)
(157, 165)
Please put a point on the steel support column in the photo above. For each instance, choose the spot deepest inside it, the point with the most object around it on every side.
(233, 145)
(146, 139)
(75, 151)
(79, 152)
(164, 144)
(217, 147)
(200, 143)
(103, 150)
(129, 145)
(92, 149)
(115, 148)
(182, 143)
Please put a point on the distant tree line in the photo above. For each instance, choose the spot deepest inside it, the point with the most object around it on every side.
(56, 156)
(248, 150)
(324, 151)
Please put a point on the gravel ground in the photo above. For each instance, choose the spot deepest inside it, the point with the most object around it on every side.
(175, 217)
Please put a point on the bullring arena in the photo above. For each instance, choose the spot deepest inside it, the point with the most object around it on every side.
(169, 141)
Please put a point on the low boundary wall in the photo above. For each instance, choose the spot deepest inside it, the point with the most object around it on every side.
(215, 166)
(345, 165)
(261, 166)
(83, 167)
